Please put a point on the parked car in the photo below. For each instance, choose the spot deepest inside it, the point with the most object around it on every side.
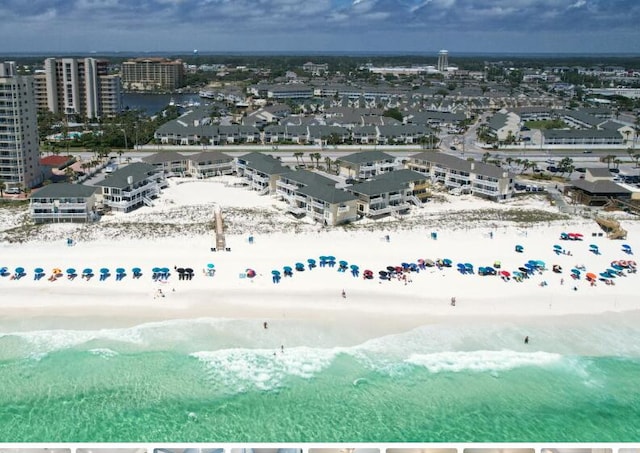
(614, 170)
(453, 148)
(581, 170)
(13, 191)
(553, 169)
(587, 151)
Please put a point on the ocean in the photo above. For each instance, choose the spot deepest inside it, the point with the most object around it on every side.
(223, 380)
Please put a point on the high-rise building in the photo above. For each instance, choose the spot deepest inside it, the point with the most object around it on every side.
(150, 74)
(78, 87)
(19, 153)
(443, 60)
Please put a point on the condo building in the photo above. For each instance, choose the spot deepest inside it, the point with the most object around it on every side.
(19, 153)
(78, 86)
(150, 74)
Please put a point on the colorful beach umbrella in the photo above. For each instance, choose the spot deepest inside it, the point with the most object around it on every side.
(71, 271)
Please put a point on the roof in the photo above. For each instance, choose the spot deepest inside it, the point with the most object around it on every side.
(402, 176)
(366, 157)
(64, 190)
(55, 161)
(498, 121)
(138, 171)
(164, 156)
(599, 172)
(599, 187)
(264, 163)
(580, 133)
(210, 156)
(327, 194)
(308, 178)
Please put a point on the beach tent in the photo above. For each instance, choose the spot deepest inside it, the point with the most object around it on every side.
(311, 263)
(299, 267)
(461, 268)
(564, 236)
(250, 273)
(468, 267)
(447, 262)
(519, 249)
(626, 248)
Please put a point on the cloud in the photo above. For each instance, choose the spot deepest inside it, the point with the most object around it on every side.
(168, 23)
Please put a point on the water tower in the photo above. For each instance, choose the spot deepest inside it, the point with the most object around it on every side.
(443, 60)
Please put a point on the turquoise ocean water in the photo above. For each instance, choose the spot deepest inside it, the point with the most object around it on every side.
(212, 380)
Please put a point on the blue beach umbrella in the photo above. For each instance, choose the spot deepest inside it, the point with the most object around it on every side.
(605, 275)
(19, 270)
(136, 270)
(593, 246)
(468, 266)
(164, 270)
(38, 270)
(354, 267)
(87, 271)
(104, 270)
(71, 271)
(156, 270)
(311, 261)
(446, 262)
(287, 268)
(540, 263)
(557, 247)
(120, 270)
(612, 271)
(210, 266)
(275, 272)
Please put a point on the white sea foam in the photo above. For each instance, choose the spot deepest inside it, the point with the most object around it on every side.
(479, 361)
(103, 352)
(263, 369)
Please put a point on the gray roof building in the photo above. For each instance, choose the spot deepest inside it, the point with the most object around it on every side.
(366, 157)
(138, 171)
(164, 156)
(64, 190)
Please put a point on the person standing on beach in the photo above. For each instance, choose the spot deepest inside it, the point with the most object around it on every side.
(344, 294)
(526, 340)
(453, 301)
(265, 325)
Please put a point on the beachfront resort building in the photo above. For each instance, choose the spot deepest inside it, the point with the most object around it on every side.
(260, 171)
(310, 194)
(63, 202)
(170, 163)
(150, 74)
(366, 164)
(390, 193)
(78, 86)
(19, 153)
(130, 187)
(210, 163)
(464, 176)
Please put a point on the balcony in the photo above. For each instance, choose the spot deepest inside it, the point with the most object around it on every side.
(286, 186)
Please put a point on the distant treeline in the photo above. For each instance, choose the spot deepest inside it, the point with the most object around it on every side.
(347, 63)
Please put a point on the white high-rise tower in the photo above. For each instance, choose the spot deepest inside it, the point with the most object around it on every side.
(19, 153)
(443, 60)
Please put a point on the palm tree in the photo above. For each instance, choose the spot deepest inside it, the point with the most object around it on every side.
(297, 155)
(327, 161)
(1, 188)
(608, 159)
(485, 157)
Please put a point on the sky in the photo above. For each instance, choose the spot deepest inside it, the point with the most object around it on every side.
(421, 26)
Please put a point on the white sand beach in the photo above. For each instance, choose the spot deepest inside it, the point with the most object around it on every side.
(137, 240)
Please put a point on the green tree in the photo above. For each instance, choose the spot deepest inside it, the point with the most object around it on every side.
(393, 113)
(566, 165)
